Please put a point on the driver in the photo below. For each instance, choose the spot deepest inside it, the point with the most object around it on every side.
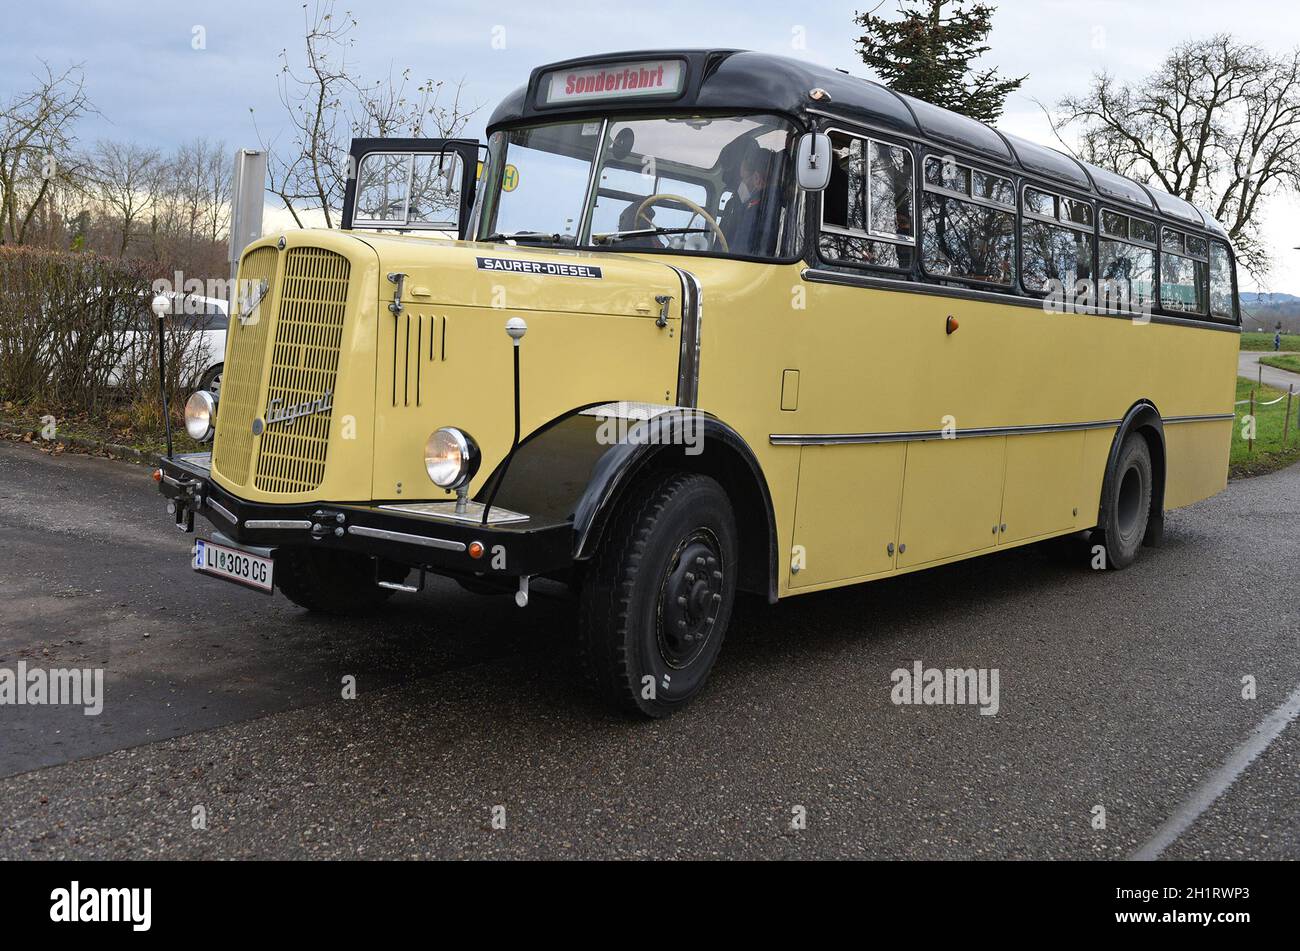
(747, 223)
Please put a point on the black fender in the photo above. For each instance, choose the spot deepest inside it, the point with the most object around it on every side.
(1144, 417)
(579, 467)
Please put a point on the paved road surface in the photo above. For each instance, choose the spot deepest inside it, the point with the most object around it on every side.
(1248, 365)
(1120, 690)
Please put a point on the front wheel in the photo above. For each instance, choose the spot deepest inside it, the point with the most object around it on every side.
(655, 604)
(1128, 510)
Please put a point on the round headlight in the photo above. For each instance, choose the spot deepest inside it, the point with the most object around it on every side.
(200, 415)
(451, 457)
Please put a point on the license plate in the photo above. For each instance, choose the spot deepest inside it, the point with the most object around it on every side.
(241, 567)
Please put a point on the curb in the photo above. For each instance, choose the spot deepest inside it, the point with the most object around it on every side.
(82, 443)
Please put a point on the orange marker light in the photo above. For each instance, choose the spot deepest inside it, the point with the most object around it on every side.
(476, 549)
(157, 475)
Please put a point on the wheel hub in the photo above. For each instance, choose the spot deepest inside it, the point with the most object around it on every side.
(690, 599)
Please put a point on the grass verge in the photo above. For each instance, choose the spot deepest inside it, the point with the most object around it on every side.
(1283, 361)
(1255, 340)
(1268, 453)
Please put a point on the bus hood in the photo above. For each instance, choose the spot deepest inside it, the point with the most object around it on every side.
(523, 278)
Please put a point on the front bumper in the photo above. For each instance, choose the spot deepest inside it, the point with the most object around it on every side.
(430, 542)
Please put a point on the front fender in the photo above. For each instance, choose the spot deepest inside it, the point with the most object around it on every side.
(578, 466)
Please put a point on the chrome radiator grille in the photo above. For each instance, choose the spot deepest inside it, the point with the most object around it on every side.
(304, 369)
(241, 385)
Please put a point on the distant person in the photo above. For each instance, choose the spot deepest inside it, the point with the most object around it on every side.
(1277, 340)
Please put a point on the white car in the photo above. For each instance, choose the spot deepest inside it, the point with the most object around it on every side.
(206, 319)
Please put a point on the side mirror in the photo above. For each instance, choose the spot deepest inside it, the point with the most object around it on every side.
(813, 159)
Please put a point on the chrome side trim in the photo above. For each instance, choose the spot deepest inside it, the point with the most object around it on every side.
(286, 523)
(688, 363)
(843, 439)
(924, 435)
(1203, 418)
(224, 512)
(388, 536)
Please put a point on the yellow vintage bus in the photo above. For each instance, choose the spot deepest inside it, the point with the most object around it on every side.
(705, 322)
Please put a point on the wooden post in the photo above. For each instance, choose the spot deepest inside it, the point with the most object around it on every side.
(1286, 423)
(1250, 443)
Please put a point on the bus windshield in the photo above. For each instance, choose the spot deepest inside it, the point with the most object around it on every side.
(692, 184)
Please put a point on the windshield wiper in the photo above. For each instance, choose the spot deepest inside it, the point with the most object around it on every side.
(527, 236)
(609, 237)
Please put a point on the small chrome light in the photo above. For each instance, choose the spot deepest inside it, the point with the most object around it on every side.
(201, 415)
(451, 457)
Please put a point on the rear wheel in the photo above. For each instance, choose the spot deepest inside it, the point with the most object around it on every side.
(329, 582)
(1128, 506)
(657, 598)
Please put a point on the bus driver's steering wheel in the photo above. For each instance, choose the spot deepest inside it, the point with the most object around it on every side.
(708, 218)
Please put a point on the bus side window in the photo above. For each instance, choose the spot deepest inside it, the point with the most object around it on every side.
(964, 236)
(1221, 296)
(1056, 241)
(867, 216)
(1127, 266)
(1184, 276)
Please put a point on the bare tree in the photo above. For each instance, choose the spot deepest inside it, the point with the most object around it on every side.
(328, 103)
(304, 175)
(198, 186)
(393, 107)
(36, 140)
(1218, 124)
(127, 180)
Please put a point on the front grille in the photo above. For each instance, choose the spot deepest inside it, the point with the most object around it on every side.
(304, 369)
(242, 378)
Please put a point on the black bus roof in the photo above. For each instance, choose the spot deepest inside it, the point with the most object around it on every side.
(746, 81)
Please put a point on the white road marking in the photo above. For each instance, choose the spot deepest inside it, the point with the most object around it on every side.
(1217, 783)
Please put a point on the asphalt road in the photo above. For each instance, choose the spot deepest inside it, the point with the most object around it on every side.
(1248, 365)
(1121, 690)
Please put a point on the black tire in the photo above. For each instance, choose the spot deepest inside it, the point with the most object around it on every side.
(645, 651)
(329, 582)
(1128, 497)
(211, 381)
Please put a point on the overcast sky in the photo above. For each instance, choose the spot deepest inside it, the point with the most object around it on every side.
(153, 87)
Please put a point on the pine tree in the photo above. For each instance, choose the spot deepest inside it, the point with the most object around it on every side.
(929, 55)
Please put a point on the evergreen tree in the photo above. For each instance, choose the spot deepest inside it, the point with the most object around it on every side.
(929, 52)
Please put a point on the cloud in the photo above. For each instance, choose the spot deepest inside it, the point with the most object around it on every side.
(153, 87)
